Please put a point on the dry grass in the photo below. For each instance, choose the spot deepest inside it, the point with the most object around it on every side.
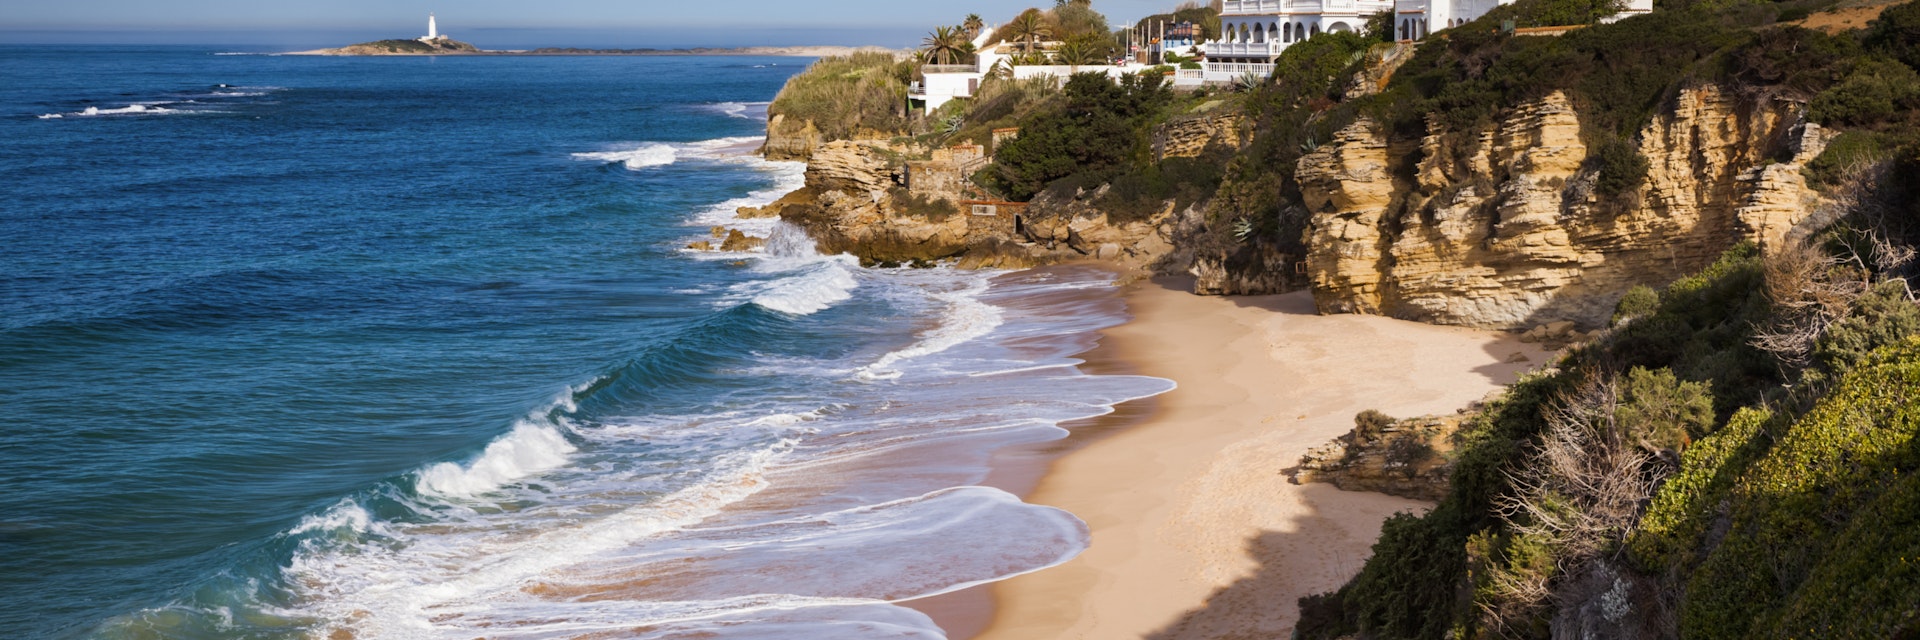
(1847, 17)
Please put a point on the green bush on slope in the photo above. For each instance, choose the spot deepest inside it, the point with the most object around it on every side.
(1099, 128)
(844, 95)
(1842, 472)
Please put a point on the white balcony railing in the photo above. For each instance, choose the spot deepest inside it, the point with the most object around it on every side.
(1253, 7)
(1244, 48)
(1237, 69)
(1275, 7)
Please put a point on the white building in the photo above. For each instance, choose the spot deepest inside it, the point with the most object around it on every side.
(1254, 32)
(1417, 19)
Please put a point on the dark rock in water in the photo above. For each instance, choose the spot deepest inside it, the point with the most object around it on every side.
(737, 241)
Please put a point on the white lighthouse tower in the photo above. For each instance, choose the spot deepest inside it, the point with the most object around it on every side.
(433, 30)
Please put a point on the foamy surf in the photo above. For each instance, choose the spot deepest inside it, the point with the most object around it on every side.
(129, 110)
(965, 318)
(652, 154)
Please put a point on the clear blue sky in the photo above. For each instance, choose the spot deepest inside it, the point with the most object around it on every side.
(507, 23)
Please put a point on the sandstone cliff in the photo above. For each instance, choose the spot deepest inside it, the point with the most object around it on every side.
(1506, 231)
(1406, 458)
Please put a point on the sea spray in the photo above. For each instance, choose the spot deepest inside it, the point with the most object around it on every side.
(818, 283)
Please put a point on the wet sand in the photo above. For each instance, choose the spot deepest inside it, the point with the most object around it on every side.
(1196, 531)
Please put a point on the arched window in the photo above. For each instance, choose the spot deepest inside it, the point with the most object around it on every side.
(1423, 28)
(1339, 26)
(1405, 26)
(1314, 31)
(1299, 32)
(1259, 34)
(1245, 34)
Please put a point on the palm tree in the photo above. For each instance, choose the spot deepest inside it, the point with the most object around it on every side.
(973, 25)
(1030, 26)
(946, 45)
(1077, 52)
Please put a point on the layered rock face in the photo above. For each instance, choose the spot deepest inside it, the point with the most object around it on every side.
(790, 139)
(1190, 137)
(854, 203)
(848, 207)
(1507, 232)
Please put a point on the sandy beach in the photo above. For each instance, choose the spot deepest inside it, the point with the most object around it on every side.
(1197, 533)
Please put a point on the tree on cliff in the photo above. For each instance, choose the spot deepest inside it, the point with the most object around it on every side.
(1100, 129)
(1029, 26)
(946, 45)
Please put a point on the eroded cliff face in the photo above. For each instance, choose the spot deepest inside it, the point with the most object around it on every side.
(790, 139)
(848, 207)
(1506, 230)
(857, 200)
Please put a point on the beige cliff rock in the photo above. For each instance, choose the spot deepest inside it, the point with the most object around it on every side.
(1505, 232)
(1191, 136)
(790, 139)
(1406, 458)
(848, 207)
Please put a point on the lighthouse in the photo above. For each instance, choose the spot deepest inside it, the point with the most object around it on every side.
(433, 31)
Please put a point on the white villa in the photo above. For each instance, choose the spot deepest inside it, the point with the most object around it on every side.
(1254, 32)
(945, 82)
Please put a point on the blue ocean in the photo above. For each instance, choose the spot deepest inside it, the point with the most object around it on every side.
(329, 348)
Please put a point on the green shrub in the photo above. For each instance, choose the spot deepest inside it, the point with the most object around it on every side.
(1875, 92)
(1663, 410)
(1622, 168)
(1639, 301)
(1670, 533)
(1882, 317)
(1788, 566)
(1897, 33)
(1138, 194)
(1849, 152)
(1099, 128)
(843, 95)
(1552, 13)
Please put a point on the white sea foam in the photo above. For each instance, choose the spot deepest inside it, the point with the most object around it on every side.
(145, 109)
(818, 282)
(966, 318)
(529, 449)
(411, 590)
(742, 110)
(652, 154)
(344, 517)
(537, 443)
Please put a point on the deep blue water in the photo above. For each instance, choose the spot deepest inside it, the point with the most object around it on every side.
(294, 345)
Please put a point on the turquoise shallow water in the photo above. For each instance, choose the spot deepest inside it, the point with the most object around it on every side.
(408, 348)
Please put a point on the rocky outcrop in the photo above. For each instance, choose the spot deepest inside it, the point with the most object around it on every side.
(1254, 268)
(1504, 230)
(849, 206)
(1189, 137)
(790, 139)
(857, 200)
(1405, 458)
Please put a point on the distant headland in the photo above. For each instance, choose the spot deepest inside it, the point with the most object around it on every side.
(439, 44)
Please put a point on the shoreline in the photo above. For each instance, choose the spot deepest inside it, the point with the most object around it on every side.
(1020, 469)
(1196, 531)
